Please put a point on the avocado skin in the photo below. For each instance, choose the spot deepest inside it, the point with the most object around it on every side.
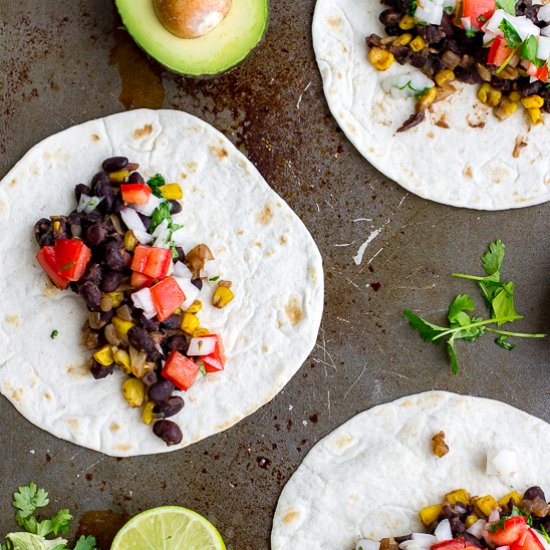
(120, 4)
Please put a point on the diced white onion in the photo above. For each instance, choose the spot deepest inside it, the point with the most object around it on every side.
(443, 531)
(408, 84)
(543, 49)
(178, 236)
(161, 228)
(93, 203)
(545, 31)
(449, 5)
(181, 270)
(494, 516)
(213, 363)
(367, 544)
(410, 545)
(523, 26)
(142, 299)
(532, 79)
(149, 207)
(467, 23)
(163, 239)
(189, 289)
(544, 13)
(502, 548)
(493, 23)
(477, 528)
(429, 11)
(142, 236)
(424, 540)
(83, 203)
(132, 220)
(501, 462)
(204, 345)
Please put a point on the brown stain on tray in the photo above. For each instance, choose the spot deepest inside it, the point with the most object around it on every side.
(102, 524)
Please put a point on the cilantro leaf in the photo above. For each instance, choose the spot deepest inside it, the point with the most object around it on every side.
(162, 212)
(155, 183)
(427, 330)
(461, 303)
(470, 33)
(501, 341)
(492, 260)
(544, 533)
(411, 7)
(510, 34)
(27, 500)
(54, 334)
(507, 5)
(528, 50)
(452, 355)
(86, 543)
(502, 303)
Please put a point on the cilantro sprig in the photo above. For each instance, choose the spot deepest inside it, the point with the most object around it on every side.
(155, 183)
(507, 5)
(499, 300)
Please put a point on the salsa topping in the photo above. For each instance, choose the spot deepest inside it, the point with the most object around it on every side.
(121, 250)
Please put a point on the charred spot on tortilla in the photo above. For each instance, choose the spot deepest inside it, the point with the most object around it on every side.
(12, 182)
(219, 152)
(468, 172)
(265, 216)
(290, 516)
(439, 447)
(294, 312)
(143, 132)
(95, 137)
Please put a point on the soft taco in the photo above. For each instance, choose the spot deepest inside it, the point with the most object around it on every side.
(460, 154)
(262, 294)
(371, 478)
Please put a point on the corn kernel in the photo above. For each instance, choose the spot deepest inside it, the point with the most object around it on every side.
(483, 93)
(122, 359)
(536, 115)
(147, 415)
(444, 76)
(485, 505)
(417, 44)
(171, 191)
(470, 520)
(506, 108)
(458, 496)
(514, 96)
(195, 307)
(532, 102)
(430, 514)
(133, 390)
(222, 297)
(189, 323)
(122, 327)
(407, 23)
(119, 176)
(380, 59)
(403, 40)
(104, 356)
(506, 498)
(117, 297)
(56, 225)
(200, 332)
(488, 95)
(130, 241)
(426, 99)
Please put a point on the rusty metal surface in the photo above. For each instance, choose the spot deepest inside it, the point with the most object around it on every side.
(65, 62)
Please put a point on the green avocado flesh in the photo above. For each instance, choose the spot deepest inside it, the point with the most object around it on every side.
(213, 53)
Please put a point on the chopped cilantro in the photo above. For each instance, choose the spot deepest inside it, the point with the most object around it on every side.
(408, 85)
(213, 279)
(510, 34)
(66, 266)
(411, 7)
(448, 9)
(202, 369)
(162, 212)
(470, 33)
(528, 51)
(482, 19)
(544, 533)
(54, 334)
(155, 183)
(501, 341)
(507, 5)
(422, 23)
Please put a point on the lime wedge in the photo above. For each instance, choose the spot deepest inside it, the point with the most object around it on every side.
(168, 528)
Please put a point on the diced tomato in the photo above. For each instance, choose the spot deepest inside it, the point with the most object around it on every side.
(479, 11)
(72, 257)
(46, 258)
(167, 297)
(135, 193)
(453, 544)
(139, 280)
(538, 72)
(215, 361)
(151, 261)
(499, 52)
(528, 541)
(505, 535)
(180, 370)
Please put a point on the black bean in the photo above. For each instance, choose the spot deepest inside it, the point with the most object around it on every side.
(140, 339)
(107, 315)
(170, 407)
(175, 207)
(145, 219)
(150, 325)
(117, 259)
(150, 378)
(111, 280)
(114, 164)
(181, 254)
(41, 227)
(534, 492)
(197, 282)
(173, 322)
(49, 240)
(176, 341)
(471, 540)
(389, 17)
(118, 205)
(431, 33)
(168, 431)
(93, 217)
(418, 60)
(393, 29)
(457, 527)
(160, 391)
(99, 178)
(95, 234)
(91, 294)
(401, 53)
(99, 371)
(136, 177)
(93, 273)
(80, 190)
(373, 40)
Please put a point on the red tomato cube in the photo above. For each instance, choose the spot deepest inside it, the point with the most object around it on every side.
(453, 544)
(499, 52)
(479, 11)
(46, 258)
(72, 257)
(167, 297)
(135, 193)
(215, 361)
(151, 261)
(529, 542)
(139, 280)
(180, 370)
(510, 531)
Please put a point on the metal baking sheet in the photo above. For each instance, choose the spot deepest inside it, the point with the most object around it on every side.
(68, 61)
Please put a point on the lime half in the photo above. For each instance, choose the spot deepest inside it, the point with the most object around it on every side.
(168, 528)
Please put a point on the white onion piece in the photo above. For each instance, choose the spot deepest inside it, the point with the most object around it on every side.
(545, 31)
(161, 228)
(502, 548)
(163, 238)
(83, 203)
(132, 220)
(178, 236)
(495, 20)
(543, 49)
(204, 345)
(544, 13)
(181, 270)
(501, 462)
(467, 23)
(429, 11)
(477, 528)
(410, 545)
(408, 84)
(524, 27)
(449, 5)
(93, 203)
(142, 299)
(149, 207)
(424, 539)
(494, 516)
(189, 289)
(532, 79)
(367, 544)
(142, 236)
(443, 531)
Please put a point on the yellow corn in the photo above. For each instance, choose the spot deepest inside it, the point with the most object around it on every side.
(506, 498)
(407, 23)
(430, 514)
(222, 296)
(130, 241)
(506, 108)
(117, 296)
(147, 415)
(458, 496)
(56, 225)
(403, 40)
(470, 520)
(119, 176)
(488, 95)
(485, 505)
(104, 356)
(426, 99)
(417, 44)
(171, 191)
(514, 96)
(536, 115)
(122, 327)
(122, 359)
(133, 390)
(444, 76)
(200, 332)
(195, 307)
(189, 323)
(380, 59)
(532, 102)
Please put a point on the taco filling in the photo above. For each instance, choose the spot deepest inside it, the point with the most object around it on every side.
(501, 45)
(461, 521)
(120, 250)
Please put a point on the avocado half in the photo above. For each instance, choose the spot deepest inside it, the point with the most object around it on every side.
(214, 53)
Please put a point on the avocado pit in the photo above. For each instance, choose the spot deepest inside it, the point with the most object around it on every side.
(191, 18)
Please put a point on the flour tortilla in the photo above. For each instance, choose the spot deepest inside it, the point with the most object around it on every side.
(371, 476)
(460, 165)
(258, 242)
